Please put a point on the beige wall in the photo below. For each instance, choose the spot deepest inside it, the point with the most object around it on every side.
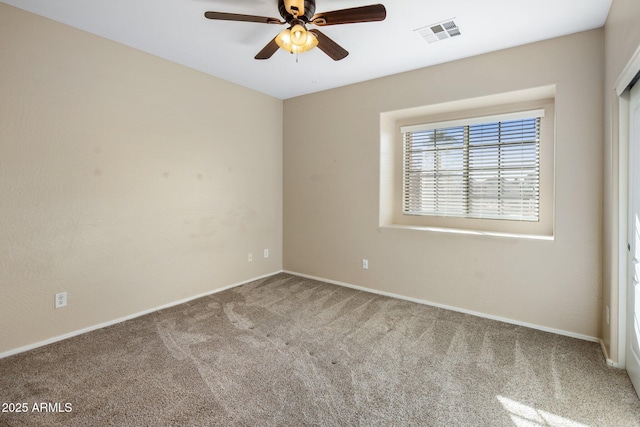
(622, 38)
(125, 180)
(331, 187)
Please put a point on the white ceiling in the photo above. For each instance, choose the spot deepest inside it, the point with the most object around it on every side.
(177, 30)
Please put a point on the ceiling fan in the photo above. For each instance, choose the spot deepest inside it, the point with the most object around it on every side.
(297, 14)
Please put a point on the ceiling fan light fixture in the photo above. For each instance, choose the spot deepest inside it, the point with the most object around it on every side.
(298, 35)
(296, 39)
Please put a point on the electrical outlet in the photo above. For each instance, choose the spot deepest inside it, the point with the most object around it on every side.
(365, 264)
(250, 257)
(606, 309)
(61, 300)
(266, 253)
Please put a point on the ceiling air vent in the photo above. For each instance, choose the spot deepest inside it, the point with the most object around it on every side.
(439, 31)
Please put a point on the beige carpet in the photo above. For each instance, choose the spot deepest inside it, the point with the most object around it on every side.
(288, 351)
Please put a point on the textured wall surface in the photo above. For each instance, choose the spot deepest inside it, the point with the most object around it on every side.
(125, 180)
(331, 183)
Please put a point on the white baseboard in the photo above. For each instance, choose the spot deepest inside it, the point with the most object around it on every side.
(335, 282)
(122, 319)
(459, 310)
(606, 357)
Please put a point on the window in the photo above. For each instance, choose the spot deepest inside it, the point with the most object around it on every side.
(481, 166)
(484, 168)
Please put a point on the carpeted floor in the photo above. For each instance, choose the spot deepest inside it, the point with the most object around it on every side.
(288, 351)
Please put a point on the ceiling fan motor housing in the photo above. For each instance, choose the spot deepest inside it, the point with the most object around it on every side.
(309, 11)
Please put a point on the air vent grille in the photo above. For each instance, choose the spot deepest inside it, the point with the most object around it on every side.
(439, 31)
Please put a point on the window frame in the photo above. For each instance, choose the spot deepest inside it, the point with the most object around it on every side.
(465, 144)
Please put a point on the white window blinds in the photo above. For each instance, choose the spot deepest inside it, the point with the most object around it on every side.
(485, 167)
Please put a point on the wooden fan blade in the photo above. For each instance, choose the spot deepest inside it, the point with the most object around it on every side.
(371, 13)
(328, 46)
(243, 18)
(268, 51)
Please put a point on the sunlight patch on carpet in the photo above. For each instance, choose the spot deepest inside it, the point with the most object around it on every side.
(526, 416)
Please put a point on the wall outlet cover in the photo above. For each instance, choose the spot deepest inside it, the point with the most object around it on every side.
(61, 300)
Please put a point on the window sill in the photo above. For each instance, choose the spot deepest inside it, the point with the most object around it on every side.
(467, 232)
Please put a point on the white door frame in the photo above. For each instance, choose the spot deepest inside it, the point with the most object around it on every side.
(623, 224)
(626, 77)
